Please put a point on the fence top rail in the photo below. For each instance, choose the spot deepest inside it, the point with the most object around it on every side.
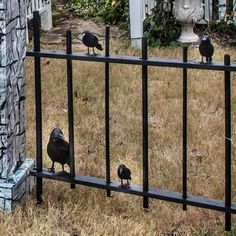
(161, 62)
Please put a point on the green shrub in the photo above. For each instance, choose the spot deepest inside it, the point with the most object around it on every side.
(87, 8)
(161, 29)
(225, 29)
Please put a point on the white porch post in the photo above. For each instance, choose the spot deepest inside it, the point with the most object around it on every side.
(208, 10)
(137, 14)
(46, 16)
(14, 167)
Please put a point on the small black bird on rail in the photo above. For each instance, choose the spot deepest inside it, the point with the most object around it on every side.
(206, 49)
(91, 41)
(58, 149)
(124, 173)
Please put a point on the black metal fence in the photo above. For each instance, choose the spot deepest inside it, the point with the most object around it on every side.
(183, 198)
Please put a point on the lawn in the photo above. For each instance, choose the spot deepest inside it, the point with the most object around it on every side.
(87, 211)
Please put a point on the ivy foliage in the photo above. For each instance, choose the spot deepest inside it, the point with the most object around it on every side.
(161, 28)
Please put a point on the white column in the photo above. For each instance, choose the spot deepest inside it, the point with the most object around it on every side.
(137, 14)
(208, 10)
(46, 16)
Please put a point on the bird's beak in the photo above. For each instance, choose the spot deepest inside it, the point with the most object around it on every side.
(60, 136)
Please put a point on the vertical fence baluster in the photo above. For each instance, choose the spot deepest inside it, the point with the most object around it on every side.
(70, 105)
(145, 121)
(185, 105)
(227, 144)
(38, 106)
(107, 112)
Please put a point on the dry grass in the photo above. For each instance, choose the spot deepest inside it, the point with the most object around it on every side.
(86, 211)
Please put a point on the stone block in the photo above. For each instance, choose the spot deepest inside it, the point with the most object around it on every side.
(20, 184)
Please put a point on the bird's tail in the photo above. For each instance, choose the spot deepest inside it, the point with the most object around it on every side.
(99, 47)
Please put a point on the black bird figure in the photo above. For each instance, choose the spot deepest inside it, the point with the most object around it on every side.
(206, 49)
(124, 173)
(91, 41)
(58, 149)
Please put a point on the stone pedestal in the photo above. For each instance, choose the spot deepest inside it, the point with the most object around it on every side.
(188, 13)
(187, 34)
(12, 98)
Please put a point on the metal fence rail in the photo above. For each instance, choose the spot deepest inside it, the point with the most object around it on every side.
(106, 183)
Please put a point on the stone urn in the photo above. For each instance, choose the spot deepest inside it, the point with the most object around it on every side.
(188, 13)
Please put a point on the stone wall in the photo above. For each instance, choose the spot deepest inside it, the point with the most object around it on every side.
(12, 85)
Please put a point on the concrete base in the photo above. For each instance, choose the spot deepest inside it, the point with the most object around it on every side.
(187, 34)
(136, 43)
(13, 190)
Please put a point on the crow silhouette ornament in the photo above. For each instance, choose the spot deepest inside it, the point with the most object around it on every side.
(58, 149)
(91, 41)
(124, 173)
(206, 49)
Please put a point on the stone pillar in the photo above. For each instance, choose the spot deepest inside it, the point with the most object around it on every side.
(14, 167)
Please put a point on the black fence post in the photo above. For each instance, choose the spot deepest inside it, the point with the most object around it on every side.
(227, 144)
(185, 106)
(38, 106)
(70, 106)
(145, 121)
(107, 109)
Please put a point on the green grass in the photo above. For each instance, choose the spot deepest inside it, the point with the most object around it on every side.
(87, 211)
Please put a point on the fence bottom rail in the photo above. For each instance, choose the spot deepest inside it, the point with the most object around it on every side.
(134, 189)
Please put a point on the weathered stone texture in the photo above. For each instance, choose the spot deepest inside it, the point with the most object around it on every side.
(12, 93)
(21, 184)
